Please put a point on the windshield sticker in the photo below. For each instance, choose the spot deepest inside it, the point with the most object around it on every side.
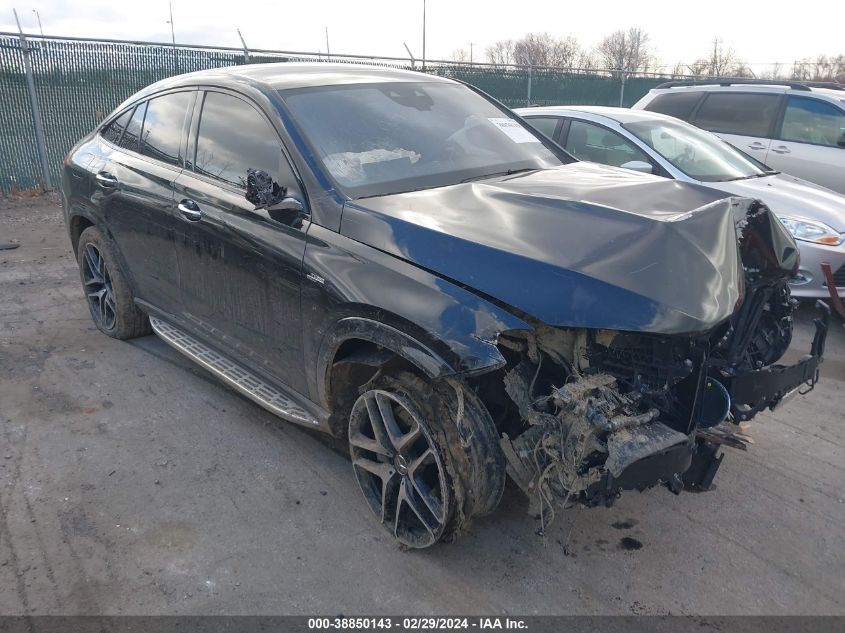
(514, 130)
(350, 167)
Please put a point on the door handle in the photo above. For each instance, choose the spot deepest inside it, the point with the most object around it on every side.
(106, 180)
(781, 149)
(756, 146)
(190, 210)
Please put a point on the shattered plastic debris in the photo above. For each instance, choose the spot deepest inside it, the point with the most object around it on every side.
(579, 433)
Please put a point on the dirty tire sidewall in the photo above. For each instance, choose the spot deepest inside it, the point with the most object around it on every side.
(130, 321)
(465, 436)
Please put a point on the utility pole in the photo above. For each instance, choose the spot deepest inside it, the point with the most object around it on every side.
(328, 50)
(423, 59)
(38, 17)
(470, 52)
(170, 22)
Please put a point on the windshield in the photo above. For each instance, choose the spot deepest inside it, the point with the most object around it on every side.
(384, 138)
(697, 153)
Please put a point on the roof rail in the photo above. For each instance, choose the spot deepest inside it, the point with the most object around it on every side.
(795, 85)
(830, 85)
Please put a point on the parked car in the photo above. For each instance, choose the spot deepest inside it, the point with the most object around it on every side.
(793, 127)
(397, 259)
(659, 144)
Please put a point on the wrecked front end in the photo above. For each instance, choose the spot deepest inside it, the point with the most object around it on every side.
(589, 413)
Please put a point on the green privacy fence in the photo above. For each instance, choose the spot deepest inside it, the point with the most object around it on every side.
(78, 82)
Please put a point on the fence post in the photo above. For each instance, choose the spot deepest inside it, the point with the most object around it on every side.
(622, 91)
(529, 85)
(40, 143)
(246, 50)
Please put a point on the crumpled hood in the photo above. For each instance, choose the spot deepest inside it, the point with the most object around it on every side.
(581, 245)
(791, 196)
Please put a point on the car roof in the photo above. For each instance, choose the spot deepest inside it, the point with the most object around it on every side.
(792, 87)
(620, 115)
(291, 75)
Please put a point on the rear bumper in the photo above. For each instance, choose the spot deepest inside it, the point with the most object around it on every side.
(753, 391)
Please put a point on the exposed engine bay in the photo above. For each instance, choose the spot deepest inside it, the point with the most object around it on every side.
(593, 412)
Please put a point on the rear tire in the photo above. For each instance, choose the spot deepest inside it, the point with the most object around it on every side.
(426, 456)
(107, 292)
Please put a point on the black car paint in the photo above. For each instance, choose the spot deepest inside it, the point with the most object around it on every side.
(437, 274)
(562, 244)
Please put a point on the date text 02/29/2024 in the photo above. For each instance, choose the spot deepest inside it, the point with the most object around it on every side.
(415, 624)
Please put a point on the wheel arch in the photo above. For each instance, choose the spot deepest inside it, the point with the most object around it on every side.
(359, 345)
(76, 225)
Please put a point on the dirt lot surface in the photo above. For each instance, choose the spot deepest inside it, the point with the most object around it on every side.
(131, 482)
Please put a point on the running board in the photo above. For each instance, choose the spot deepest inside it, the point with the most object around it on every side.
(250, 385)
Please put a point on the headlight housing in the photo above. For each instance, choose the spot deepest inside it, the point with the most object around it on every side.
(812, 231)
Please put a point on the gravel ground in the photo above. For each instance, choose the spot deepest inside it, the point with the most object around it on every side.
(132, 482)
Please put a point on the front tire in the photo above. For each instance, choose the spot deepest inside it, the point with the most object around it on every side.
(426, 457)
(107, 292)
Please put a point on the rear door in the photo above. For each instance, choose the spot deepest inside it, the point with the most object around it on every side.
(135, 180)
(746, 120)
(241, 268)
(807, 142)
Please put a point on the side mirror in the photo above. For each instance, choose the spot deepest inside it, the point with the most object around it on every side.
(841, 141)
(638, 165)
(262, 190)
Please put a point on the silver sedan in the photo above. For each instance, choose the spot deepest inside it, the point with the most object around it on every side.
(662, 145)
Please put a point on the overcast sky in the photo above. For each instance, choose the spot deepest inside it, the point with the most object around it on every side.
(760, 32)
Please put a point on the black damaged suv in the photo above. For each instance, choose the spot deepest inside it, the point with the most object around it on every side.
(398, 259)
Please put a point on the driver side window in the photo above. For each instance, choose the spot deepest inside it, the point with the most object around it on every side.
(591, 142)
(234, 137)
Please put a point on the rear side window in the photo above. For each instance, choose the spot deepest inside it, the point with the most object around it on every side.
(233, 137)
(748, 114)
(114, 129)
(163, 125)
(812, 121)
(544, 125)
(678, 104)
(132, 133)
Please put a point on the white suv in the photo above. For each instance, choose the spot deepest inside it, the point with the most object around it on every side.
(797, 128)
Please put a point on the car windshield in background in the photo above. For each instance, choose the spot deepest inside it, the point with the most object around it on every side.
(698, 154)
(376, 139)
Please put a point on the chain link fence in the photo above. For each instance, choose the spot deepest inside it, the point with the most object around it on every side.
(77, 82)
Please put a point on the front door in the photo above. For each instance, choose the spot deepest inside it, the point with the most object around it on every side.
(241, 268)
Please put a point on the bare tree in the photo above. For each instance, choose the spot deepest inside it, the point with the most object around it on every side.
(678, 71)
(542, 49)
(624, 52)
(500, 53)
(722, 61)
(740, 69)
(774, 72)
(822, 68)
(565, 53)
(460, 55)
(699, 68)
(587, 61)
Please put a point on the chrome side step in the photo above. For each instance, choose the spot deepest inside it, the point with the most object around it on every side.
(250, 385)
